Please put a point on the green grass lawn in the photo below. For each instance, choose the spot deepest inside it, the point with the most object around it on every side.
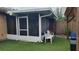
(59, 44)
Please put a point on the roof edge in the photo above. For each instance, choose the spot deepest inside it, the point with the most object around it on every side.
(29, 10)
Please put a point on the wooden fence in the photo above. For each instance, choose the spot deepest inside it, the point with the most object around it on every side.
(3, 29)
(60, 27)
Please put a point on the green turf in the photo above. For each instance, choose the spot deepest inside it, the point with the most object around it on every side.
(59, 44)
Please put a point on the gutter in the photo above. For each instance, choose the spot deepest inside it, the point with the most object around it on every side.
(46, 15)
(49, 14)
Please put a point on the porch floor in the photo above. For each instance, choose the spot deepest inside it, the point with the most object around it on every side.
(59, 44)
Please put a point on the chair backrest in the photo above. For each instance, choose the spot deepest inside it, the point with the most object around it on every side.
(49, 33)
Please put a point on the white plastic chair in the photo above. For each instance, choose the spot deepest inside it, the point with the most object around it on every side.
(50, 36)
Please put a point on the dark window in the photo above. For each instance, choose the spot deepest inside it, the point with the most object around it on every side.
(11, 24)
(23, 23)
(33, 24)
(23, 26)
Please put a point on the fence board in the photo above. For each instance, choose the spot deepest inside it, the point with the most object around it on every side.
(60, 27)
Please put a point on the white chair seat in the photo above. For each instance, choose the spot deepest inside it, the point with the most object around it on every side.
(49, 36)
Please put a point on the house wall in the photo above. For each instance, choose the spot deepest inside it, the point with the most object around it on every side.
(3, 28)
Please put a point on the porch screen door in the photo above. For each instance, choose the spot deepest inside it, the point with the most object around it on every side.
(23, 26)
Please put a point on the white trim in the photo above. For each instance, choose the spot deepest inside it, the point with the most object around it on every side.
(29, 10)
(27, 27)
(19, 25)
(24, 38)
(22, 16)
(39, 26)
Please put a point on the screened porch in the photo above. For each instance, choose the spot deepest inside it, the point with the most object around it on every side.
(30, 26)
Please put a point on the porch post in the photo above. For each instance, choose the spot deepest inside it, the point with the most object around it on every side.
(17, 33)
(39, 26)
(27, 27)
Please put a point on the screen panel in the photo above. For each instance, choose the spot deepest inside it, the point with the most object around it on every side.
(11, 24)
(23, 23)
(33, 21)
